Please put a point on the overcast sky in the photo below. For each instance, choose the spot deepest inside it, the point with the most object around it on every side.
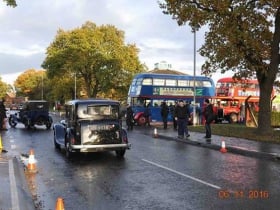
(27, 30)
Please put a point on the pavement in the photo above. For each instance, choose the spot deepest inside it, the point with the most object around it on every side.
(15, 194)
(14, 191)
(244, 147)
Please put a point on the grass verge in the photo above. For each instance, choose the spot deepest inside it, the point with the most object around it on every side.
(238, 131)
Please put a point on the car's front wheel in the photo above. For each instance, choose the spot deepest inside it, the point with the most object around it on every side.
(120, 153)
(12, 122)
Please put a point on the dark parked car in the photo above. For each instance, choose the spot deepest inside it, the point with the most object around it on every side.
(33, 112)
(91, 125)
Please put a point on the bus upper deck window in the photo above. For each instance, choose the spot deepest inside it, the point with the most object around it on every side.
(147, 81)
(133, 82)
(199, 84)
(139, 81)
(170, 82)
(158, 81)
(206, 84)
(182, 83)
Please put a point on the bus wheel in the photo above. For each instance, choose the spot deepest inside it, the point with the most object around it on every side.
(141, 120)
(233, 118)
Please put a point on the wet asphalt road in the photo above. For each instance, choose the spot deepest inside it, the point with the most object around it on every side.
(155, 174)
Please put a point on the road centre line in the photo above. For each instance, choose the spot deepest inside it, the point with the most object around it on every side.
(184, 175)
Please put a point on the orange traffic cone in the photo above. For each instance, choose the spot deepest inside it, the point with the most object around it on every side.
(31, 166)
(155, 133)
(223, 148)
(59, 204)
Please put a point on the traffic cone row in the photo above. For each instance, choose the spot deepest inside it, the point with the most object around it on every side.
(59, 204)
(31, 166)
(155, 133)
(223, 147)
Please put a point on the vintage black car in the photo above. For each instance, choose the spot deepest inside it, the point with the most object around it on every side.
(33, 112)
(91, 125)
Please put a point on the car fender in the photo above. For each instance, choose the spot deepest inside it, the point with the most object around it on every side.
(59, 133)
(124, 136)
(138, 115)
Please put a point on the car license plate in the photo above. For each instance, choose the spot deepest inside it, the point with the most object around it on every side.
(98, 127)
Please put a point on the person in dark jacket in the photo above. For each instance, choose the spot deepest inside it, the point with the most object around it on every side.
(129, 117)
(147, 114)
(3, 116)
(164, 114)
(186, 103)
(172, 111)
(209, 117)
(181, 114)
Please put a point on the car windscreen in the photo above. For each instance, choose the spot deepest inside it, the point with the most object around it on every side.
(98, 111)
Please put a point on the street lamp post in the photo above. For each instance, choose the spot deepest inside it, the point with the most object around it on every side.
(42, 94)
(75, 86)
(194, 79)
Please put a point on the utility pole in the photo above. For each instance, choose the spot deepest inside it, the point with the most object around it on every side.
(194, 79)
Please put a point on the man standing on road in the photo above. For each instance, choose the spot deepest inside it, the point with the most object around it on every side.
(164, 114)
(209, 117)
(172, 110)
(181, 114)
(129, 117)
(147, 114)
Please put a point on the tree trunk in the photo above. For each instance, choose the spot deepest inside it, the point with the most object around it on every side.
(266, 81)
(264, 116)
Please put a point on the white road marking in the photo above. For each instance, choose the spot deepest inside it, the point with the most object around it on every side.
(14, 195)
(184, 175)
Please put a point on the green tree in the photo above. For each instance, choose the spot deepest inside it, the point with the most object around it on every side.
(63, 88)
(243, 36)
(11, 3)
(97, 54)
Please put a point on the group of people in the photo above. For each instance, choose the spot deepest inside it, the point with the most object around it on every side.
(180, 113)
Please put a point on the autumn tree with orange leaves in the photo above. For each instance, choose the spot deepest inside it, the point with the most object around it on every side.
(33, 84)
(243, 37)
